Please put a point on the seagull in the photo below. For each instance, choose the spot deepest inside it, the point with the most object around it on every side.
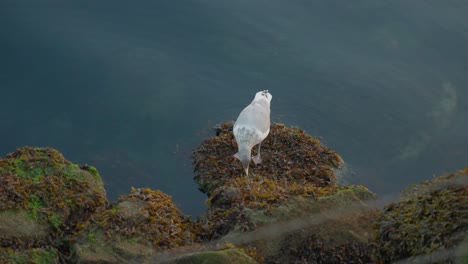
(252, 127)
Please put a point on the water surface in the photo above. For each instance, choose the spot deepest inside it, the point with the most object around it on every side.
(133, 88)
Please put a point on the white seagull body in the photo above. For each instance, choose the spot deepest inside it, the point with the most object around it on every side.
(252, 127)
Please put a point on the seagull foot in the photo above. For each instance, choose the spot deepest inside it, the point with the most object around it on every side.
(257, 159)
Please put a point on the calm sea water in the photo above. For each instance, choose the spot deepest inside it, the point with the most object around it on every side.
(134, 87)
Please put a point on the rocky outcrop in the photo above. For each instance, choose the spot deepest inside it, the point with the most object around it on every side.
(288, 211)
(289, 154)
(213, 257)
(134, 228)
(44, 199)
(429, 218)
(292, 210)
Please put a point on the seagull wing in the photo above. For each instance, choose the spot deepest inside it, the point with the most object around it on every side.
(253, 124)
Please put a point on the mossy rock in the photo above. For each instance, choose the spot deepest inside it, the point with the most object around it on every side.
(19, 225)
(333, 229)
(98, 247)
(430, 216)
(231, 205)
(294, 165)
(135, 227)
(227, 256)
(44, 255)
(295, 180)
(461, 253)
(287, 153)
(44, 199)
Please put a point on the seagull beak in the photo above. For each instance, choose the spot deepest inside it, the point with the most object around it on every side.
(247, 172)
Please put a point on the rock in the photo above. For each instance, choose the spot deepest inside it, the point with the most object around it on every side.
(431, 217)
(294, 165)
(98, 248)
(333, 229)
(32, 255)
(44, 199)
(227, 256)
(134, 228)
(292, 209)
(17, 224)
(461, 253)
(287, 153)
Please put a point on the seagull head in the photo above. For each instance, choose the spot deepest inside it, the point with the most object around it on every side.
(263, 95)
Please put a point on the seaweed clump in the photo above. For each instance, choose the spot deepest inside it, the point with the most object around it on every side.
(135, 227)
(44, 198)
(428, 217)
(295, 184)
(287, 153)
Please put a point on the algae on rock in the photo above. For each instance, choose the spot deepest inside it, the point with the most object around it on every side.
(273, 215)
(44, 255)
(213, 257)
(291, 211)
(44, 199)
(429, 216)
(136, 227)
(287, 154)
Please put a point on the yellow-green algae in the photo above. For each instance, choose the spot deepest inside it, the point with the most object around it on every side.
(429, 216)
(50, 198)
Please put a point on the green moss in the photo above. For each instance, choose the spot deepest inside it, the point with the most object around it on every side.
(35, 205)
(55, 220)
(91, 238)
(93, 171)
(51, 191)
(21, 168)
(43, 256)
(18, 259)
(35, 255)
(133, 240)
(69, 172)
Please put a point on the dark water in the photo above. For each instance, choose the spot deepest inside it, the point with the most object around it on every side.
(133, 87)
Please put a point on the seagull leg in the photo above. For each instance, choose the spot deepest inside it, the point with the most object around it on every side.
(257, 159)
